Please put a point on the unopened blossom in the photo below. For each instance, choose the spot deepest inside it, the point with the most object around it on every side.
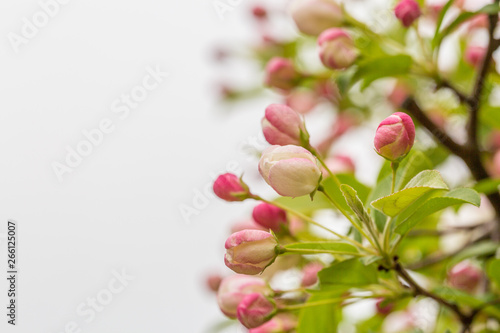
(395, 136)
(474, 55)
(255, 309)
(312, 17)
(407, 11)
(282, 125)
(281, 323)
(250, 251)
(383, 307)
(281, 74)
(336, 48)
(230, 188)
(213, 282)
(269, 216)
(259, 12)
(233, 288)
(310, 273)
(302, 100)
(465, 276)
(292, 171)
(339, 164)
(479, 22)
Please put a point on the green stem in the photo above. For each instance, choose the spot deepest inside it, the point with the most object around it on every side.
(311, 304)
(322, 162)
(312, 251)
(311, 221)
(394, 167)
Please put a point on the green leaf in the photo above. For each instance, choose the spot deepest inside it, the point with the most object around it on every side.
(484, 248)
(376, 68)
(440, 21)
(327, 247)
(323, 318)
(488, 9)
(433, 205)
(351, 197)
(487, 186)
(334, 192)
(417, 163)
(304, 204)
(349, 273)
(493, 271)
(421, 184)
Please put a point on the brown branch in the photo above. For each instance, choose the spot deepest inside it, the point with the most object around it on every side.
(461, 96)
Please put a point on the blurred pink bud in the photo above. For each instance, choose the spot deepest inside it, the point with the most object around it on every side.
(329, 90)
(383, 307)
(259, 12)
(247, 224)
(281, 125)
(407, 11)
(302, 100)
(398, 94)
(434, 10)
(233, 288)
(344, 122)
(336, 48)
(340, 164)
(312, 17)
(250, 251)
(269, 216)
(496, 164)
(230, 188)
(395, 136)
(296, 225)
(292, 171)
(493, 140)
(310, 273)
(465, 276)
(479, 22)
(281, 74)
(474, 55)
(213, 282)
(281, 323)
(255, 309)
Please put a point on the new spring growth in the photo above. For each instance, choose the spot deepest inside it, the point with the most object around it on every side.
(292, 171)
(231, 188)
(233, 288)
(395, 137)
(269, 216)
(282, 126)
(255, 309)
(407, 11)
(250, 251)
(337, 49)
(312, 17)
(281, 74)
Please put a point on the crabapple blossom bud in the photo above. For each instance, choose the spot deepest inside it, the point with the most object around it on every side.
(465, 276)
(336, 48)
(230, 188)
(398, 94)
(250, 251)
(233, 288)
(310, 273)
(269, 216)
(302, 100)
(479, 22)
(259, 12)
(474, 55)
(255, 309)
(314, 16)
(495, 170)
(395, 136)
(282, 322)
(383, 308)
(407, 11)
(292, 171)
(281, 74)
(213, 282)
(281, 125)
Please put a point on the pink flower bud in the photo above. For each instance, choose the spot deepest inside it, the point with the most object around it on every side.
(398, 94)
(395, 136)
(282, 322)
(259, 12)
(310, 273)
(465, 276)
(255, 309)
(281, 74)
(496, 164)
(336, 48)
(339, 164)
(250, 251)
(292, 171)
(302, 100)
(230, 188)
(479, 22)
(407, 11)
(281, 125)
(474, 55)
(213, 282)
(314, 16)
(385, 308)
(233, 288)
(269, 216)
